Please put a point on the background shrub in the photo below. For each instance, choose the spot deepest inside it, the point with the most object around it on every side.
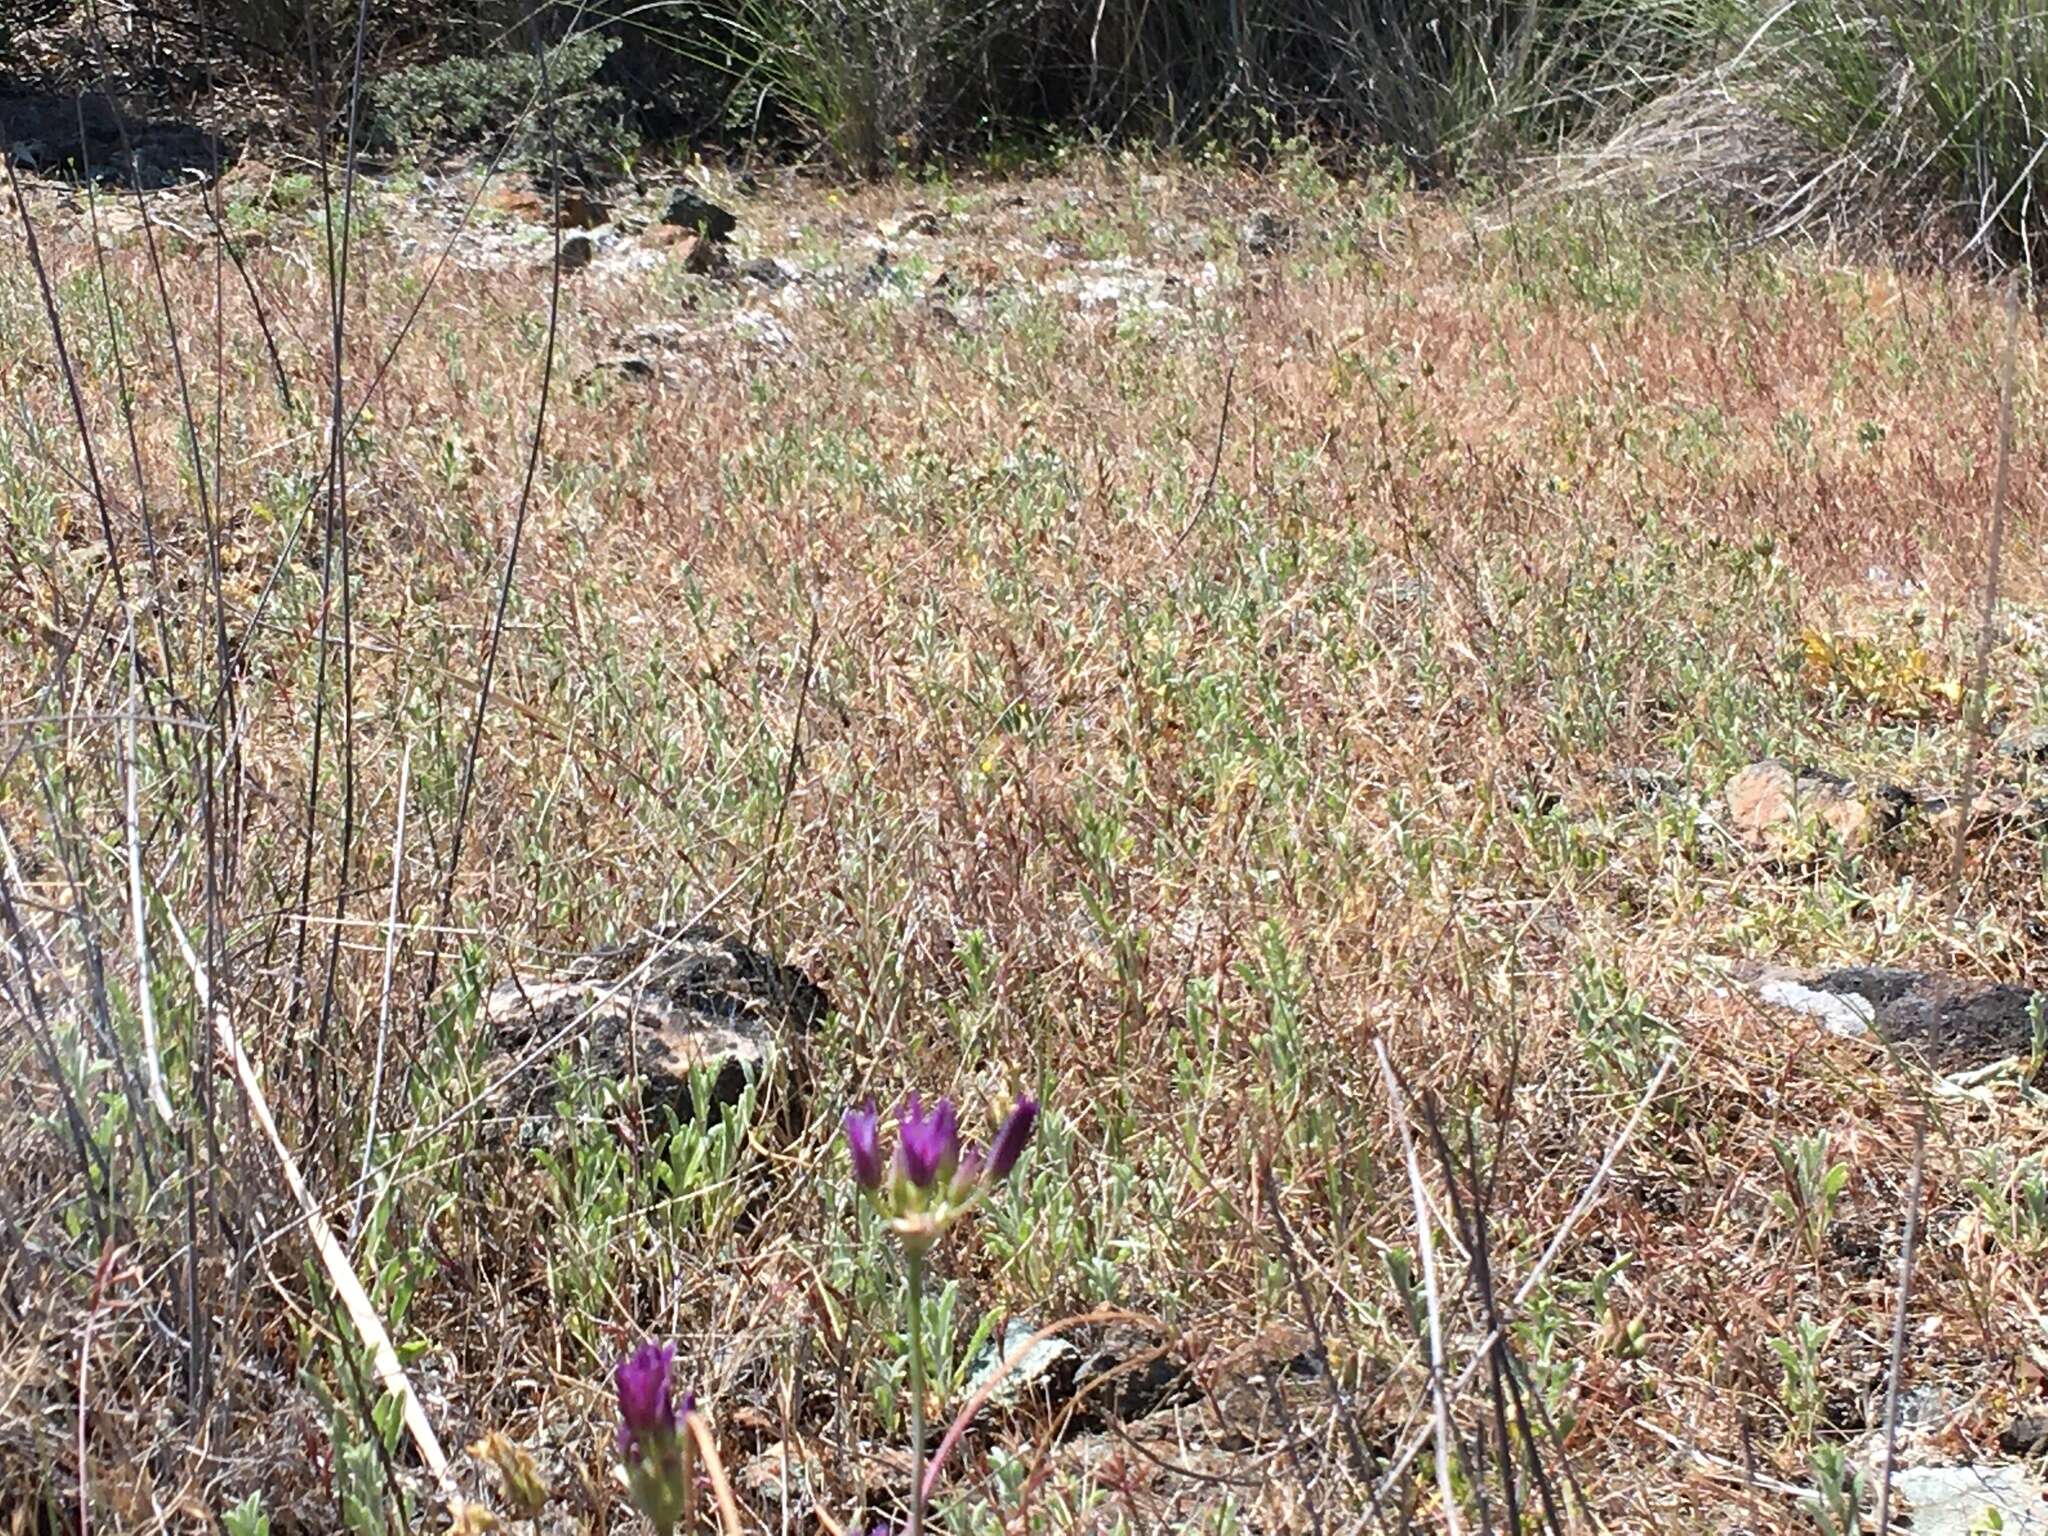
(470, 101)
(1813, 111)
(1935, 106)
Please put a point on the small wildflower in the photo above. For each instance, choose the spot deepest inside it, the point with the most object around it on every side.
(966, 1180)
(934, 1178)
(927, 1146)
(645, 1409)
(657, 1456)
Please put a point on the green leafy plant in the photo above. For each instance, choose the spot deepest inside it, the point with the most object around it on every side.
(1802, 1389)
(470, 101)
(1623, 1041)
(2013, 1200)
(1813, 1185)
(1935, 108)
(248, 1518)
(1836, 1506)
(933, 1181)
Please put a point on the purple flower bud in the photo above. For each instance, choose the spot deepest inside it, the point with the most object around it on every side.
(1010, 1139)
(927, 1146)
(863, 1126)
(966, 1175)
(646, 1413)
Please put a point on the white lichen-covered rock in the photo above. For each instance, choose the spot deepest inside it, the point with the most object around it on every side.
(650, 1012)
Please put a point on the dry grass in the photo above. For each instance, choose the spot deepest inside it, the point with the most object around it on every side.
(1163, 783)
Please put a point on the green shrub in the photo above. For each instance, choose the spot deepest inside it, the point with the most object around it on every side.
(469, 102)
(877, 80)
(1445, 86)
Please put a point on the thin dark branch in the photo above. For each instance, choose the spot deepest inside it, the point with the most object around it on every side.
(795, 757)
(1340, 1402)
(483, 692)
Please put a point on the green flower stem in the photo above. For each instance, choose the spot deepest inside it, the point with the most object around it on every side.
(914, 1263)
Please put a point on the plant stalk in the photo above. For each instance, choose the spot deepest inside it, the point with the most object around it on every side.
(914, 1287)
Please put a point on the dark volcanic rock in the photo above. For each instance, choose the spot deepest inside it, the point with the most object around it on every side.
(1951, 1023)
(689, 209)
(1956, 1022)
(87, 137)
(2026, 1435)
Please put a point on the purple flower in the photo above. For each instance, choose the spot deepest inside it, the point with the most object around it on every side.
(863, 1130)
(927, 1146)
(1010, 1139)
(646, 1412)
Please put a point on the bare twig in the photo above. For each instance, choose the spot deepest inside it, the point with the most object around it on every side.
(511, 562)
(70, 376)
(384, 992)
(145, 1001)
(721, 1490)
(936, 1463)
(1898, 1360)
(101, 1275)
(1421, 1437)
(362, 1314)
(1208, 495)
(789, 772)
(1340, 1401)
(1472, 1225)
(1425, 1243)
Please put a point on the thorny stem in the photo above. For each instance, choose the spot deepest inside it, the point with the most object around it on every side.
(914, 1286)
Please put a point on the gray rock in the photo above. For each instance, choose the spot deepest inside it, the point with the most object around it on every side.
(690, 209)
(2025, 743)
(918, 222)
(1839, 1015)
(1044, 1370)
(1265, 233)
(1126, 1373)
(660, 334)
(769, 272)
(627, 365)
(653, 1011)
(56, 134)
(1954, 1500)
(2026, 1435)
(1957, 1021)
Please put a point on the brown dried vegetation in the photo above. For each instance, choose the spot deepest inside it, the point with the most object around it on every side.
(1152, 705)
